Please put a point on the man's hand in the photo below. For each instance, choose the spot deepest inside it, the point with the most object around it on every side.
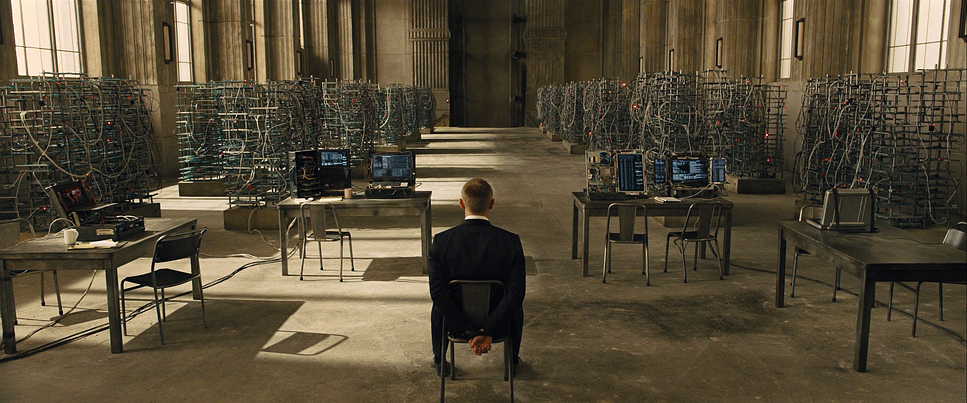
(480, 344)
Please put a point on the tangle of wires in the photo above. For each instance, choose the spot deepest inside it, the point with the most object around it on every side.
(64, 127)
(893, 133)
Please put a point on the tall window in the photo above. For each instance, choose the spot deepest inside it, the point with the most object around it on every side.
(46, 36)
(786, 35)
(183, 35)
(918, 35)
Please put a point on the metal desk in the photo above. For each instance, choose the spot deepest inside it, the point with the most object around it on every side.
(52, 254)
(885, 256)
(584, 209)
(418, 205)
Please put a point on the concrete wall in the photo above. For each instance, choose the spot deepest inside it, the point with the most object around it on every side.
(8, 69)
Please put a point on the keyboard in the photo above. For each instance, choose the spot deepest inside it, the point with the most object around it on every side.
(668, 199)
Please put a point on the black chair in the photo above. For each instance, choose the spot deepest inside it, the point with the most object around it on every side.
(626, 213)
(956, 237)
(705, 231)
(316, 215)
(475, 301)
(168, 248)
(805, 213)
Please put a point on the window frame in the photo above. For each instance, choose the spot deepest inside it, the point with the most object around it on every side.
(784, 30)
(915, 43)
(54, 35)
(179, 52)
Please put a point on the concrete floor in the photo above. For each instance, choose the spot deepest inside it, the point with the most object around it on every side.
(274, 338)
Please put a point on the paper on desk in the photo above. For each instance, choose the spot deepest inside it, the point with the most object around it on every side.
(102, 244)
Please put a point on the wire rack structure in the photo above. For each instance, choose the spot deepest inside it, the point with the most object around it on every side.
(744, 122)
(58, 128)
(242, 131)
(892, 133)
(427, 108)
(607, 119)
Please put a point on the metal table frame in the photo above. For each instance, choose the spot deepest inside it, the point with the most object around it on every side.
(418, 205)
(584, 209)
(52, 254)
(872, 258)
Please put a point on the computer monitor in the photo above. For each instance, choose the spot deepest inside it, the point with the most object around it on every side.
(659, 171)
(689, 171)
(332, 171)
(74, 196)
(847, 209)
(717, 168)
(392, 167)
(630, 172)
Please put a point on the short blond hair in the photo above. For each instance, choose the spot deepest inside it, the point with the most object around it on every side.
(476, 195)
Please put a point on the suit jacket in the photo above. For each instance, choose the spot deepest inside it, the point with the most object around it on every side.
(477, 250)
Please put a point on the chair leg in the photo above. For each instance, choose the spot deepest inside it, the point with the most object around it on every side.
(158, 305)
(60, 306)
(604, 268)
(443, 362)
(681, 248)
(453, 361)
(302, 254)
(201, 296)
(644, 256)
(889, 306)
(340, 258)
(795, 265)
(164, 315)
(319, 244)
(352, 266)
(667, 240)
(698, 245)
(124, 319)
(43, 299)
(916, 308)
(940, 299)
(713, 246)
(836, 285)
(509, 363)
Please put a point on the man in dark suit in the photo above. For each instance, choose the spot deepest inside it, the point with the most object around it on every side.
(477, 250)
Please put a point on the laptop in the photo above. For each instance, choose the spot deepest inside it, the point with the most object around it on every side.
(391, 175)
(846, 210)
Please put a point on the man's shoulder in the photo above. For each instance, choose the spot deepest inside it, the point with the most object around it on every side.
(465, 226)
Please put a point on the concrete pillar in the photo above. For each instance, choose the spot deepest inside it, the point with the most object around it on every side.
(280, 24)
(320, 39)
(229, 26)
(8, 69)
(544, 38)
(685, 31)
(875, 26)
(654, 27)
(738, 23)
(770, 40)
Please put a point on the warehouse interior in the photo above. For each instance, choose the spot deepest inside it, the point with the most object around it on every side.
(484, 89)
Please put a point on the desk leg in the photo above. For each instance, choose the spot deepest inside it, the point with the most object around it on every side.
(781, 272)
(426, 234)
(867, 294)
(113, 306)
(574, 230)
(8, 310)
(283, 244)
(584, 256)
(727, 242)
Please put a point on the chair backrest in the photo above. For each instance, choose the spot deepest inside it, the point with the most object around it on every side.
(475, 298)
(957, 236)
(318, 217)
(707, 216)
(178, 246)
(626, 213)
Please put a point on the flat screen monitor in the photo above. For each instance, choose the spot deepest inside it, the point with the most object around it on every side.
(717, 168)
(392, 167)
(332, 170)
(689, 171)
(659, 173)
(630, 172)
(74, 196)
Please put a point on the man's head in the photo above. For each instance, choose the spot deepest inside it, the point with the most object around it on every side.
(477, 197)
